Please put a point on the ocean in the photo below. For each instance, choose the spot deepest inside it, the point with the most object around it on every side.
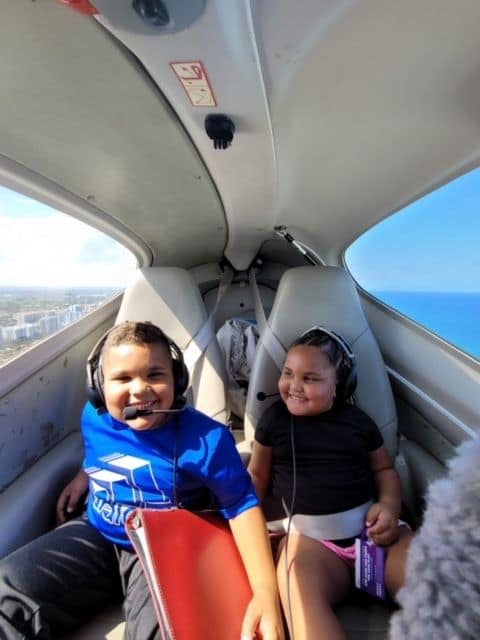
(453, 316)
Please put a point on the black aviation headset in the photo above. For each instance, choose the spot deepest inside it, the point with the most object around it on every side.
(95, 381)
(346, 368)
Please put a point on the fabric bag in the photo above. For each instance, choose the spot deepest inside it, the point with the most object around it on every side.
(238, 340)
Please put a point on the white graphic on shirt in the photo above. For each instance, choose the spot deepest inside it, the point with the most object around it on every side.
(115, 489)
(103, 483)
(130, 464)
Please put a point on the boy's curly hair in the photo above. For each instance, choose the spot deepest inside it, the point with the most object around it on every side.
(139, 333)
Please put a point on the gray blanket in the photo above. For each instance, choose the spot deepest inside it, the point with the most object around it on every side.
(441, 597)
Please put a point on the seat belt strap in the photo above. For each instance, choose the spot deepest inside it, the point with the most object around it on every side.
(257, 302)
(332, 526)
(269, 340)
(199, 343)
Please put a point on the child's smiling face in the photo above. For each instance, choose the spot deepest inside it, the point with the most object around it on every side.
(308, 381)
(139, 376)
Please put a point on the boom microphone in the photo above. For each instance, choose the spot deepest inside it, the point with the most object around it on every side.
(263, 396)
(130, 413)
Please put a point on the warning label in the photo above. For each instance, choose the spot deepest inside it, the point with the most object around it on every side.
(194, 79)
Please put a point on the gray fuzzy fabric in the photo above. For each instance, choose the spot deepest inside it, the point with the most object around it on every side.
(441, 596)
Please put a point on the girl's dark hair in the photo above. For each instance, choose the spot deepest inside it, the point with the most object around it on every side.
(339, 354)
(320, 339)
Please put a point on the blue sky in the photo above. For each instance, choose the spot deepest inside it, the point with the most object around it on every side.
(42, 247)
(432, 245)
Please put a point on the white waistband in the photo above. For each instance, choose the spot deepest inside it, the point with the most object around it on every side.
(332, 526)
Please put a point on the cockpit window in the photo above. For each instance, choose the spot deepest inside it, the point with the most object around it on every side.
(53, 270)
(424, 261)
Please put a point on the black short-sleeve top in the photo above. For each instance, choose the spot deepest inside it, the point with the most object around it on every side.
(332, 451)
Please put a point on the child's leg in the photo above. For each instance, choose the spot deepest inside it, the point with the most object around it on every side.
(140, 617)
(396, 560)
(317, 580)
(56, 582)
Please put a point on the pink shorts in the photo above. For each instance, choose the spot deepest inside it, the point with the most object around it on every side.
(345, 553)
(348, 553)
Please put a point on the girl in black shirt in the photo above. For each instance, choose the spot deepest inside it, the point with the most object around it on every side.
(344, 480)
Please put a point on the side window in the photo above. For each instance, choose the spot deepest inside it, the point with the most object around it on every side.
(53, 270)
(424, 261)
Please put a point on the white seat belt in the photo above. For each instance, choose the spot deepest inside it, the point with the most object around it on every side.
(331, 526)
(269, 340)
(200, 341)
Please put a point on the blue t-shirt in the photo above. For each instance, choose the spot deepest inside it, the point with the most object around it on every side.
(129, 469)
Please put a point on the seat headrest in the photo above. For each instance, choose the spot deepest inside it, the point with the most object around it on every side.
(170, 298)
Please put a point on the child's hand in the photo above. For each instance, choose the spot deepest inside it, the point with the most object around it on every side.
(382, 524)
(70, 498)
(263, 619)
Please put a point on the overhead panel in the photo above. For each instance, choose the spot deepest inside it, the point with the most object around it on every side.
(79, 110)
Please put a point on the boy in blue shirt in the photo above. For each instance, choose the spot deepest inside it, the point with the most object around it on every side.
(142, 449)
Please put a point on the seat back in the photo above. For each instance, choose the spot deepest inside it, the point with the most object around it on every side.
(323, 296)
(170, 298)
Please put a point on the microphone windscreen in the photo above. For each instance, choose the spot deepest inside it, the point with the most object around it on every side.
(261, 395)
(130, 413)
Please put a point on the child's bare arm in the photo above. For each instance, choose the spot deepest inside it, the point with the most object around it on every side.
(263, 614)
(382, 518)
(260, 468)
(68, 500)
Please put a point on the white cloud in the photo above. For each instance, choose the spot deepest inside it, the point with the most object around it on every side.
(47, 250)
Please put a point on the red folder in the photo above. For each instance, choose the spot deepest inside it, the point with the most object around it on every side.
(196, 576)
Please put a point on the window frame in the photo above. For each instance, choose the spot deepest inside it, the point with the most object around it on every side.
(32, 360)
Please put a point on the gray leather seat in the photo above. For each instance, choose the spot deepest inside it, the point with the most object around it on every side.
(323, 296)
(327, 296)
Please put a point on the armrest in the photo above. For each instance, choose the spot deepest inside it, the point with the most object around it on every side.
(28, 504)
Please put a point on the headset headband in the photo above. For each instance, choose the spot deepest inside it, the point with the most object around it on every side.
(336, 337)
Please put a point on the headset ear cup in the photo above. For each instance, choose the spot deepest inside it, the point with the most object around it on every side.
(347, 373)
(95, 376)
(180, 376)
(347, 378)
(350, 382)
(95, 386)
(98, 378)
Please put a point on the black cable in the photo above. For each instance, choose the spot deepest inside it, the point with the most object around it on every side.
(290, 516)
(209, 506)
(178, 504)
